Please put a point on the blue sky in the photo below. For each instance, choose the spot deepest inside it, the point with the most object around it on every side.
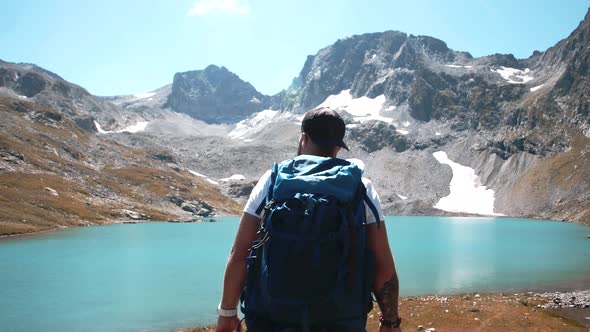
(114, 47)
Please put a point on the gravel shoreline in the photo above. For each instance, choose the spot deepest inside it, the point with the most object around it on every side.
(530, 311)
(576, 299)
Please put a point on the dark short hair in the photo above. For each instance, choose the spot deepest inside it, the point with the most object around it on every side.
(325, 127)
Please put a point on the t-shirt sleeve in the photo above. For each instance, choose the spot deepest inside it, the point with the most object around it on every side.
(374, 197)
(258, 194)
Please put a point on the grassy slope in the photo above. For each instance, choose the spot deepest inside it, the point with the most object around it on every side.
(95, 179)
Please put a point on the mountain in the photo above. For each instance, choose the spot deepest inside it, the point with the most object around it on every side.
(32, 83)
(54, 174)
(405, 97)
(214, 95)
(440, 132)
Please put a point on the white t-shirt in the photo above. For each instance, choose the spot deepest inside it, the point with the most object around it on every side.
(260, 191)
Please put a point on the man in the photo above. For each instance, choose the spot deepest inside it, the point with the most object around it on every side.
(321, 135)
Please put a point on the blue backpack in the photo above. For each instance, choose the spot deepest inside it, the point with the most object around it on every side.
(310, 264)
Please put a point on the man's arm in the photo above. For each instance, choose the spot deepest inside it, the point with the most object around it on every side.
(385, 284)
(235, 270)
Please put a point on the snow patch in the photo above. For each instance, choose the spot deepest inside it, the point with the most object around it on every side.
(437, 133)
(362, 109)
(248, 128)
(253, 124)
(467, 193)
(235, 177)
(513, 75)
(255, 100)
(23, 97)
(406, 124)
(136, 128)
(204, 176)
(197, 174)
(140, 126)
(587, 133)
(212, 181)
(403, 132)
(402, 197)
(459, 66)
(144, 95)
(100, 130)
(537, 88)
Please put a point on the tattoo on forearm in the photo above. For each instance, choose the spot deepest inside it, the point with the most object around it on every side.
(387, 298)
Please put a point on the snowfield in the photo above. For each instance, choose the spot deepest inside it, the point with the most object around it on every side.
(513, 75)
(362, 109)
(144, 95)
(466, 192)
(136, 128)
(248, 128)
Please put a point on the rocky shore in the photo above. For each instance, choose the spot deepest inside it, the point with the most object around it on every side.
(558, 311)
(576, 299)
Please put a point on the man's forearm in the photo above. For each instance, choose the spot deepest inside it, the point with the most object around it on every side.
(387, 294)
(234, 278)
(233, 282)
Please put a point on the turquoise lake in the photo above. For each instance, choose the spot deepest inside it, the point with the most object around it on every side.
(163, 276)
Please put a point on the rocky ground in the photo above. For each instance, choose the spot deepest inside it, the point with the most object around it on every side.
(488, 312)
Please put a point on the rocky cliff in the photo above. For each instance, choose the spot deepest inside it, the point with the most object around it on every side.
(215, 95)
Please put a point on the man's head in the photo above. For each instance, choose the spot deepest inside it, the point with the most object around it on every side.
(322, 133)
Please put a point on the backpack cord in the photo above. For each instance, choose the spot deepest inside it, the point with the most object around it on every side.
(240, 324)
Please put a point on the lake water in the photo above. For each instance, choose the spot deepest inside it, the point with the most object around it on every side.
(162, 276)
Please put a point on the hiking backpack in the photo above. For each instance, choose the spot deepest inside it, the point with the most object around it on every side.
(310, 264)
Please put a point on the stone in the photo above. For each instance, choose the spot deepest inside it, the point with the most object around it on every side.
(11, 156)
(134, 215)
(52, 191)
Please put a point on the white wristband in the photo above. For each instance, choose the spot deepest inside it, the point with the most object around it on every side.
(226, 313)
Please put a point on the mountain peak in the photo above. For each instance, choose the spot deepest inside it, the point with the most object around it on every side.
(215, 95)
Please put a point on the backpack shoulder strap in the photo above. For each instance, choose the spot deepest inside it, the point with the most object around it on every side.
(269, 194)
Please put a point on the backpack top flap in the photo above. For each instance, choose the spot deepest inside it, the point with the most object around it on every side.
(316, 175)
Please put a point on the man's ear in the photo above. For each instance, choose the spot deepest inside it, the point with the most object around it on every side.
(305, 138)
